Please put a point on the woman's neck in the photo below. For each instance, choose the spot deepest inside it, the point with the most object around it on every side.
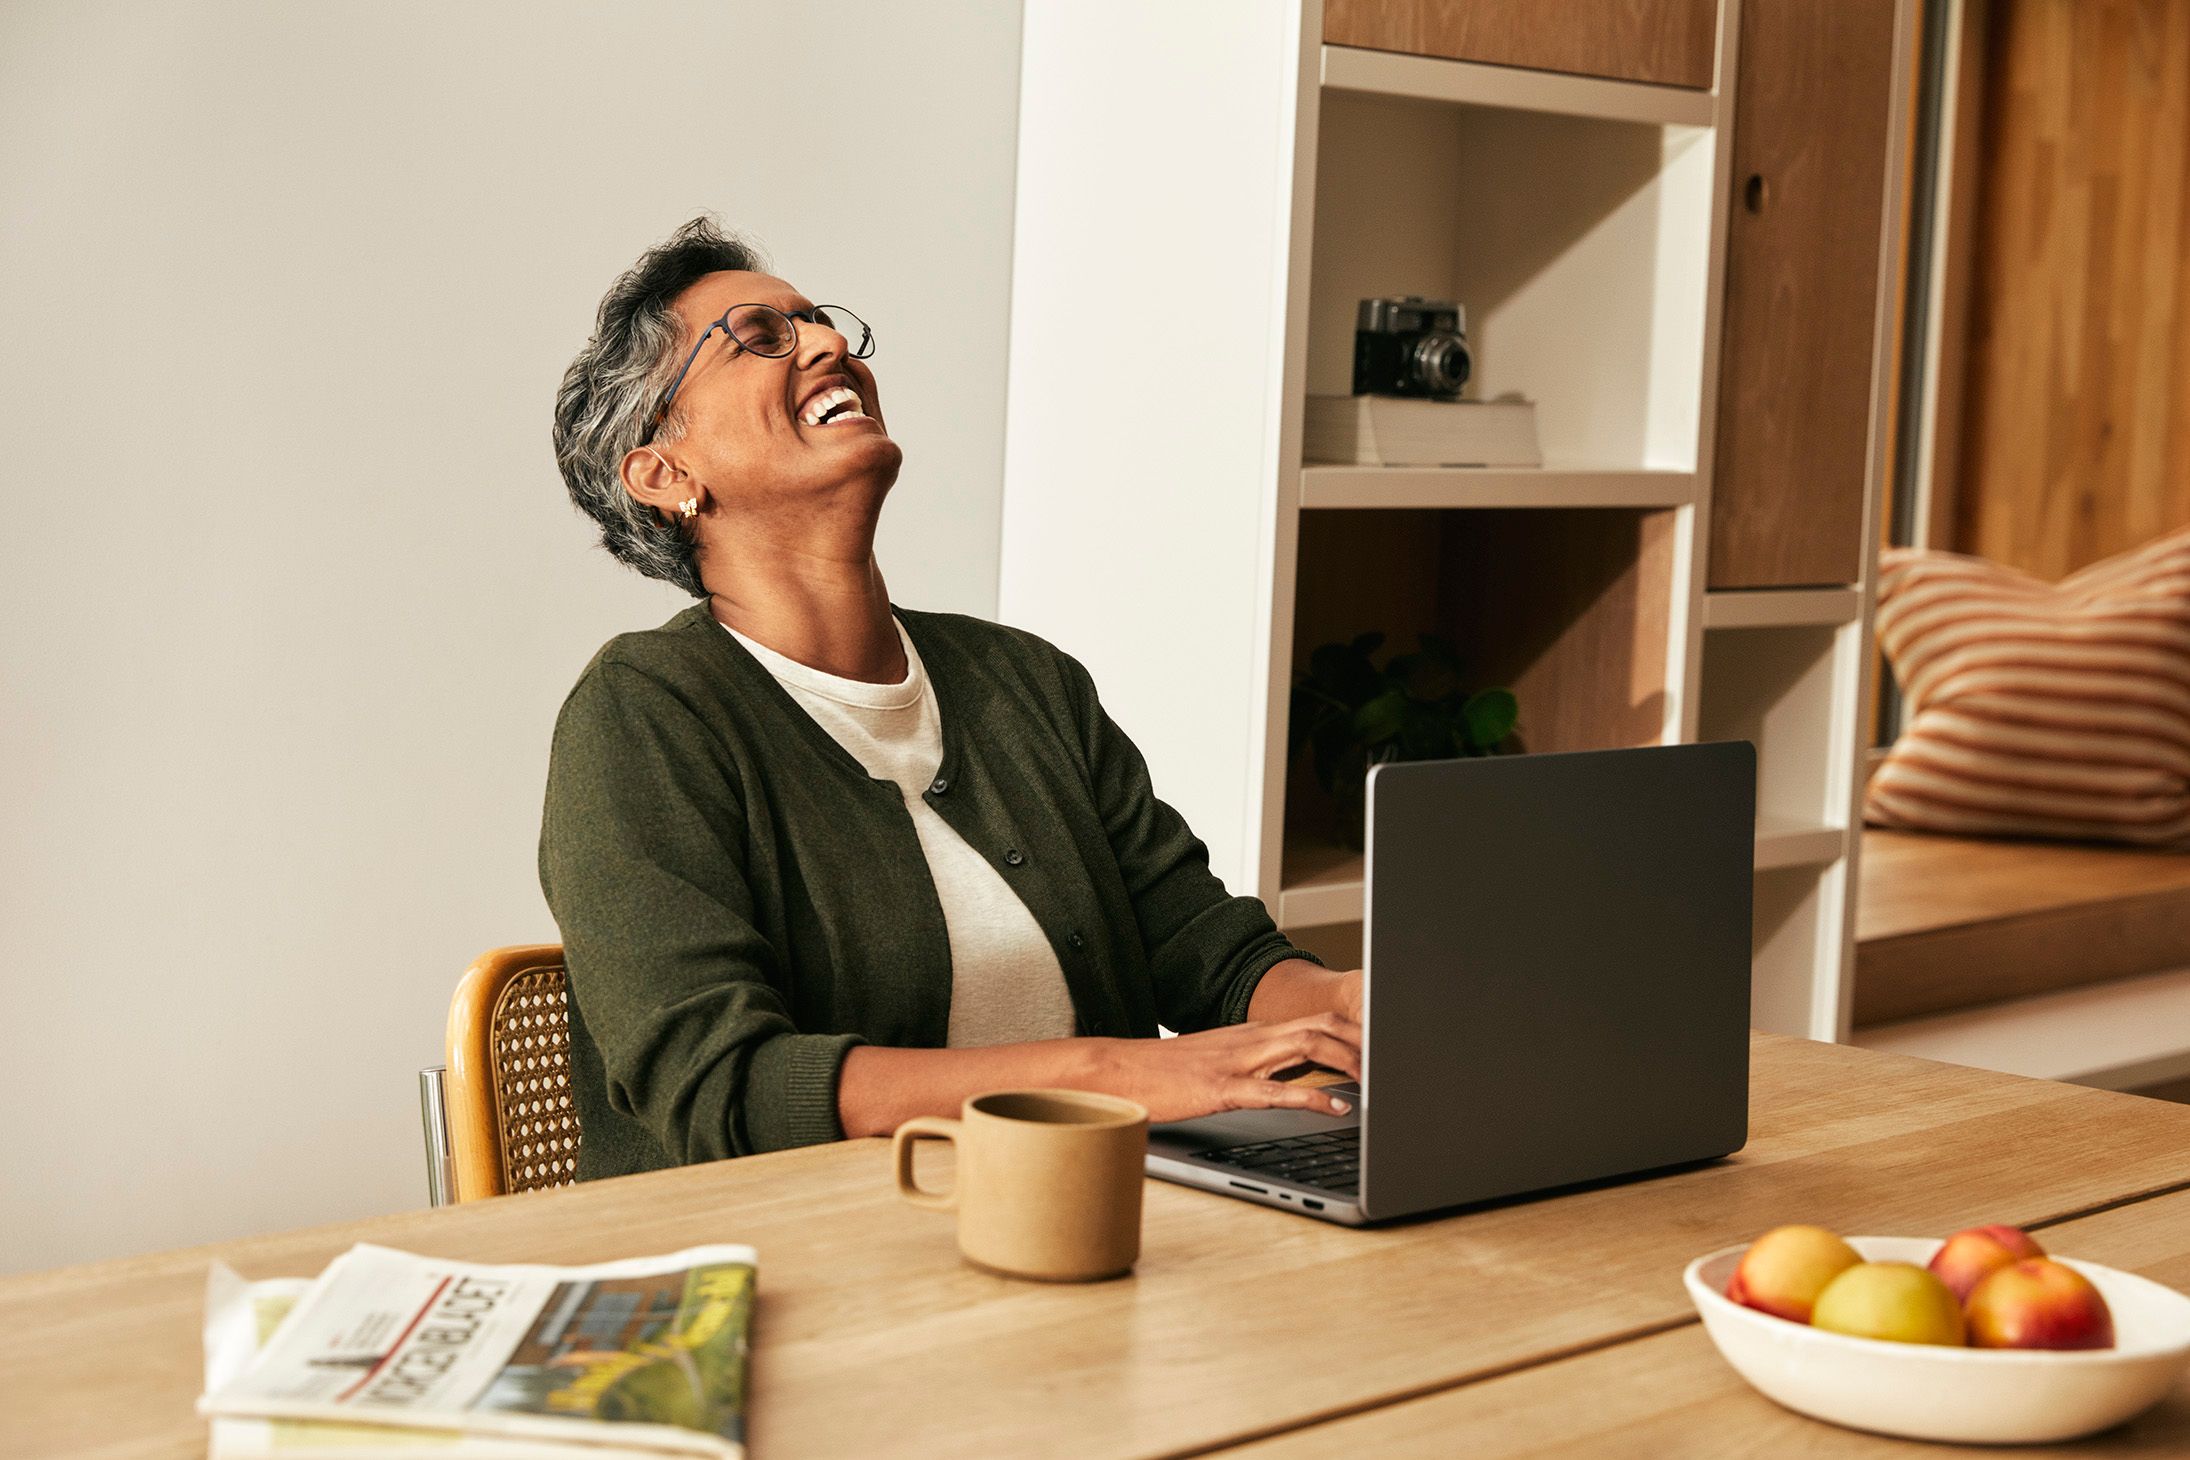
(834, 617)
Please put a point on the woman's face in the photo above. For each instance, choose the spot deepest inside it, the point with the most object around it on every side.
(747, 429)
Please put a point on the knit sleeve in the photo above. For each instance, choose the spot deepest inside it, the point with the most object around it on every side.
(1207, 949)
(641, 858)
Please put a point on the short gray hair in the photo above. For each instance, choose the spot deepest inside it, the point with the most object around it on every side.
(614, 386)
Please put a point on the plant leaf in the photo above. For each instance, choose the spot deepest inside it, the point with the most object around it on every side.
(1379, 720)
(1489, 716)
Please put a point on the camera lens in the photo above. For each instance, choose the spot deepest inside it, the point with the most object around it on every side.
(1441, 363)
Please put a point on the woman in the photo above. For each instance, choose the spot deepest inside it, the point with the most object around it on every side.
(823, 863)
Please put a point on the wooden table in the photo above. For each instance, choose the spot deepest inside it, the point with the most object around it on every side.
(1525, 1327)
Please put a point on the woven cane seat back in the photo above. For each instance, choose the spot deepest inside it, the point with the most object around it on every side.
(512, 1124)
(531, 1045)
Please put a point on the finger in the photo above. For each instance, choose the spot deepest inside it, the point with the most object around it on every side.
(1338, 1026)
(1325, 1050)
(1303, 1053)
(1271, 1095)
(1306, 1041)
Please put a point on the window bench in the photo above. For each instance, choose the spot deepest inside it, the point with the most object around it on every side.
(2066, 960)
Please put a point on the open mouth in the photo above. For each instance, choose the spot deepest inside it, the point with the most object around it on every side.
(834, 408)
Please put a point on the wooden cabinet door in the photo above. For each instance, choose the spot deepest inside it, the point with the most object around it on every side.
(1668, 42)
(1811, 150)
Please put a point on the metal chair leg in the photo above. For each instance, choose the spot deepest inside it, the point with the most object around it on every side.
(433, 1110)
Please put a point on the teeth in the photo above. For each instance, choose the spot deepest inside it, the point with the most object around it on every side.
(827, 400)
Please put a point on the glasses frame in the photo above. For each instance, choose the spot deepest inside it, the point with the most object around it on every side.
(790, 316)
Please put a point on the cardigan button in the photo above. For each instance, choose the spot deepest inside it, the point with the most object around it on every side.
(1073, 937)
(941, 785)
(1011, 855)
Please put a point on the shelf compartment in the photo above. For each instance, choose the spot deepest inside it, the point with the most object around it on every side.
(1762, 608)
(1569, 608)
(1787, 931)
(1587, 298)
(1432, 78)
(1774, 687)
(1476, 486)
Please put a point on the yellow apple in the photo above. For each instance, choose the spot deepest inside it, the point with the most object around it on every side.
(1898, 1301)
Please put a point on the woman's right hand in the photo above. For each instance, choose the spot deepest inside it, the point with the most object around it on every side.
(1231, 1068)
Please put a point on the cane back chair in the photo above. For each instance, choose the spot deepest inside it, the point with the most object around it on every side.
(500, 1118)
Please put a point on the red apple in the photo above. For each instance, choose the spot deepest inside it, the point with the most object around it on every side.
(1785, 1269)
(1976, 1253)
(2039, 1303)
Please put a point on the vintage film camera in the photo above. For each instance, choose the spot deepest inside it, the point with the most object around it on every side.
(1412, 347)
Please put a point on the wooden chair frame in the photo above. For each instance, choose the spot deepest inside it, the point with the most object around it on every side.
(476, 1123)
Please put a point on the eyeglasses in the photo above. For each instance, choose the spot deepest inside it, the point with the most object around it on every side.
(763, 329)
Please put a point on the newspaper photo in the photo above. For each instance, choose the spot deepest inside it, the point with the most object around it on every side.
(645, 1354)
(241, 1317)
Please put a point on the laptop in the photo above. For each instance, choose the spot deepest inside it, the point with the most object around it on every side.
(1557, 989)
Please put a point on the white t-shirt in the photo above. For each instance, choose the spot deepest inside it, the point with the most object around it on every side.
(1006, 985)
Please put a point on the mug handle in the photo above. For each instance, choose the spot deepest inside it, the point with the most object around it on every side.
(902, 1141)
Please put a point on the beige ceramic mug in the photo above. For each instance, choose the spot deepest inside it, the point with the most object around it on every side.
(1048, 1185)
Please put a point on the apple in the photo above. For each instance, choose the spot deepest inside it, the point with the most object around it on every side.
(2039, 1303)
(1976, 1253)
(1898, 1301)
(1785, 1269)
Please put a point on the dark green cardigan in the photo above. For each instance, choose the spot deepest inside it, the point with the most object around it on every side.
(740, 902)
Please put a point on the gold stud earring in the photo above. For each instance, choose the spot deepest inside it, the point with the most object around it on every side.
(689, 506)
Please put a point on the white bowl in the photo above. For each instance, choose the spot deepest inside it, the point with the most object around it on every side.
(1933, 1392)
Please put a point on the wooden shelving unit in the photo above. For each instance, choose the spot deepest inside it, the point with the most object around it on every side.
(1176, 299)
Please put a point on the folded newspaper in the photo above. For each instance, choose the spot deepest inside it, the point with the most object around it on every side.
(387, 1352)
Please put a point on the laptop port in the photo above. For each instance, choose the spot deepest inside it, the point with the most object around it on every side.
(1311, 1204)
(1243, 1186)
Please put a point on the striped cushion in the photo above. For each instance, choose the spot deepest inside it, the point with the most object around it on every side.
(2039, 709)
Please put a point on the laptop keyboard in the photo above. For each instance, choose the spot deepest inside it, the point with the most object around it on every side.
(1329, 1159)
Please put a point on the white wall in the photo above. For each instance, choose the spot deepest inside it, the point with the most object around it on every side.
(289, 586)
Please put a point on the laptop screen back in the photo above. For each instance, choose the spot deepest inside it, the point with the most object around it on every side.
(1558, 955)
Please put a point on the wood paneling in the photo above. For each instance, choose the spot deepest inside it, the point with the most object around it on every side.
(873, 1338)
(1962, 155)
(2076, 439)
(1947, 923)
(1802, 270)
(1668, 42)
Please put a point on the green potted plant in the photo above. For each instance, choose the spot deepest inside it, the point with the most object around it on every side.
(1354, 714)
